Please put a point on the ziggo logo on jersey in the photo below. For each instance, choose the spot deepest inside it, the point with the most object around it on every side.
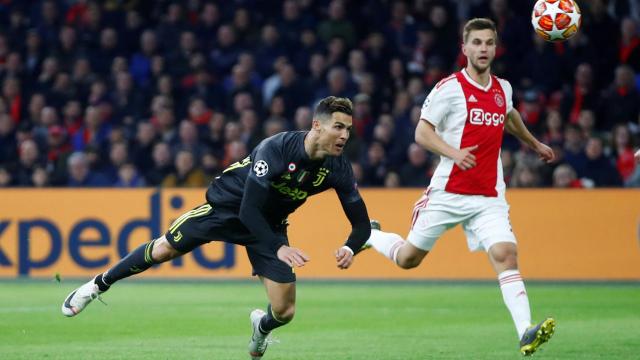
(480, 117)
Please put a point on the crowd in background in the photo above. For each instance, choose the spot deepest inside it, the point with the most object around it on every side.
(169, 93)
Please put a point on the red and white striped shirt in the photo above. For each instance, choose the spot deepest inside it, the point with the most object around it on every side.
(465, 114)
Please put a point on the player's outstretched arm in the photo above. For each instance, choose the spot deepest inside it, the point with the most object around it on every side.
(516, 127)
(426, 137)
(356, 212)
(637, 156)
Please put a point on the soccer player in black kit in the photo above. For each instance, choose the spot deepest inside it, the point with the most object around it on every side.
(249, 204)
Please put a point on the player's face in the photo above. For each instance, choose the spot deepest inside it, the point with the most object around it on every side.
(334, 133)
(480, 49)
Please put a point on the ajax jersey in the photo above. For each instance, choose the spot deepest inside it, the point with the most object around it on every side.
(464, 114)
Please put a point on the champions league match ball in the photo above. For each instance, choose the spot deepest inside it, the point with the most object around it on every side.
(556, 20)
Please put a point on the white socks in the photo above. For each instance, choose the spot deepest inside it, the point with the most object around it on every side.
(386, 244)
(515, 297)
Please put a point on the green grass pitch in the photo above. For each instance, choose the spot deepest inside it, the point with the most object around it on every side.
(334, 320)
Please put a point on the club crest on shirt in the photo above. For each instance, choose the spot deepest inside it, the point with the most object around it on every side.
(292, 167)
(261, 168)
(498, 99)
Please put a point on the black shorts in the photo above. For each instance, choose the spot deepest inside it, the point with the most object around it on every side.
(204, 224)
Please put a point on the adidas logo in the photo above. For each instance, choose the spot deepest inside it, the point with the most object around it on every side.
(472, 99)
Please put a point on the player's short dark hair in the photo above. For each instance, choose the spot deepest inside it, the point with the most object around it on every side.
(478, 24)
(332, 104)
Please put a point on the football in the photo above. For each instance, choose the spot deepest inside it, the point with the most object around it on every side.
(556, 20)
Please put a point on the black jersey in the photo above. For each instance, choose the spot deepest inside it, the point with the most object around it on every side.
(281, 165)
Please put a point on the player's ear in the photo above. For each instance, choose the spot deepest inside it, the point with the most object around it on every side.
(464, 49)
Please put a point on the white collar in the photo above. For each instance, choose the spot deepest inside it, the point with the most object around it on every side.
(474, 83)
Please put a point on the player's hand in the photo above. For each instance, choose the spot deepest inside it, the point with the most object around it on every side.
(344, 258)
(464, 158)
(292, 256)
(637, 156)
(546, 153)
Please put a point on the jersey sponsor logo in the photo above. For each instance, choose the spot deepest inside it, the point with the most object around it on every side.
(472, 99)
(293, 193)
(480, 117)
(261, 168)
(322, 174)
(499, 100)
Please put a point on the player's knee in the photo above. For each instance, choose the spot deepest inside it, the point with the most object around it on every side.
(163, 251)
(506, 256)
(284, 313)
(409, 262)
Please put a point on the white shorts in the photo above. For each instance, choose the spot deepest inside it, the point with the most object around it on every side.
(485, 220)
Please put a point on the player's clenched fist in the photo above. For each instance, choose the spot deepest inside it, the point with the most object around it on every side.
(344, 257)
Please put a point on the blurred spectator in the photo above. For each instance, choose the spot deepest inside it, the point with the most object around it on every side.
(415, 173)
(629, 48)
(210, 166)
(532, 111)
(508, 164)
(525, 176)
(162, 164)
(188, 140)
(574, 148)
(140, 62)
(587, 123)
(80, 175)
(269, 49)
(621, 102)
(303, 118)
(6, 179)
(554, 128)
(94, 131)
(337, 25)
(581, 95)
(250, 130)
(40, 177)
(599, 168)
(58, 154)
(540, 66)
(186, 173)
(623, 151)
(226, 53)
(29, 159)
(392, 180)
(565, 177)
(128, 176)
(375, 168)
(8, 144)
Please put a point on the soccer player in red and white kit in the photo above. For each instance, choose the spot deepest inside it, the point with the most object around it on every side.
(463, 120)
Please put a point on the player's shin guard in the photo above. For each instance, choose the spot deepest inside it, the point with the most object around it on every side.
(515, 297)
(270, 322)
(387, 244)
(136, 262)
